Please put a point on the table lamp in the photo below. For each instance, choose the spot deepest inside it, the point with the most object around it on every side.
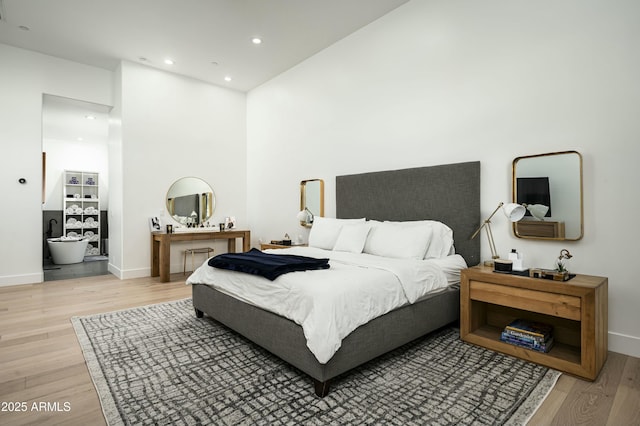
(514, 213)
(305, 217)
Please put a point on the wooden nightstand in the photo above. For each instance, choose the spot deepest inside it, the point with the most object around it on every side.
(577, 309)
(265, 246)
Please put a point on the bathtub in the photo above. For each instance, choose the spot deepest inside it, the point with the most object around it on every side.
(65, 251)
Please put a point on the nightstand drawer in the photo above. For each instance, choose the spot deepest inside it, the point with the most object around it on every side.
(559, 305)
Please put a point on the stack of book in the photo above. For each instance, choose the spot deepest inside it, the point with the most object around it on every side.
(529, 334)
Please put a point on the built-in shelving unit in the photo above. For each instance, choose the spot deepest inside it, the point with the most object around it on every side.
(81, 208)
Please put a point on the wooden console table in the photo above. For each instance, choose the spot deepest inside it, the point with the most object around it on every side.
(161, 246)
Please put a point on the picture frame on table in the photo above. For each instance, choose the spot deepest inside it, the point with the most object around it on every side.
(155, 224)
(230, 222)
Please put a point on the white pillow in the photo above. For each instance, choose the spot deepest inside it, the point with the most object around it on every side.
(397, 240)
(352, 237)
(325, 230)
(441, 242)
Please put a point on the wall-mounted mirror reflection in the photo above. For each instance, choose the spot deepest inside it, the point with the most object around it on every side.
(190, 201)
(311, 201)
(550, 187)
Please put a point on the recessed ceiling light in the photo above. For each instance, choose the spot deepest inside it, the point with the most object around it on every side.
(169, 61)
(227, 78)
(90, 117)
(80, 139)
(256, 40)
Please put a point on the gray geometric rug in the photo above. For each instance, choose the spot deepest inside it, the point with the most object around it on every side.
(159, 364)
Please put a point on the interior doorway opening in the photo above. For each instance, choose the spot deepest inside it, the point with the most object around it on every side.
(75, 137)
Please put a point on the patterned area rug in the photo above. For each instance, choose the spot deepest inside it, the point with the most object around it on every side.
(159, 364)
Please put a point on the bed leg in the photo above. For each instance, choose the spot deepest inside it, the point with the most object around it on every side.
(199, 313)
(322, 388)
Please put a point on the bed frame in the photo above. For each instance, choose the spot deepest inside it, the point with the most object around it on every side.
(448, 193)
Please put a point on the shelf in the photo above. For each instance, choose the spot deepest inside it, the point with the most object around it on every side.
(559, 350)
(87, 197)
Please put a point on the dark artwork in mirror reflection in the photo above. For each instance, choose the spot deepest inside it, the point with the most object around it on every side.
(534, 190)
(543, 181)
(190, 201)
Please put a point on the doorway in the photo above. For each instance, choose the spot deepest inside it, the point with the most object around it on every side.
(75, 137)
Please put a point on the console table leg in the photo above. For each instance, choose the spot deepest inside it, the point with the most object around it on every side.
(165, 261)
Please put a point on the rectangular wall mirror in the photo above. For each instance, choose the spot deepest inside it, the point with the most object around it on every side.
(550, 186)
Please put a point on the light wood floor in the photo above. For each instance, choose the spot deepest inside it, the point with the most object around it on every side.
(41, 360)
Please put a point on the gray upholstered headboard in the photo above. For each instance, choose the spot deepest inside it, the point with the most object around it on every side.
(448, 193)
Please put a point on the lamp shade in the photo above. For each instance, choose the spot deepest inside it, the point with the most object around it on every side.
(538, 210)
(514, 211)
(303, 216)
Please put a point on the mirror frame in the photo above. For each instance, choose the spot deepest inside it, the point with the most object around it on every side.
(581, 195)
(205, 198)
(303, 199)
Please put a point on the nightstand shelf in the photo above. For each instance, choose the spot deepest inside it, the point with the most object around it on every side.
(577, 310)
(561, 351)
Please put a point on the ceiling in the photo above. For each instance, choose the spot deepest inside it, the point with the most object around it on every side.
(208, 39)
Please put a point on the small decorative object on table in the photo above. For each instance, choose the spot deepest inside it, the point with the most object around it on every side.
(529, 334)
(502, 265)
(560, 263)
(559, 274)
(155, 224)
(230, 222)
(517, 259)
(285, 242)
(550, 274)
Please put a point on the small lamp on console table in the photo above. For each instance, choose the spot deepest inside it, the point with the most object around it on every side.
(514, 213)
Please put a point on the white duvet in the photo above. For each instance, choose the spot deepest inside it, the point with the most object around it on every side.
(329, 304)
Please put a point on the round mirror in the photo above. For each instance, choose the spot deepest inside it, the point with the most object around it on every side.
(190, 201)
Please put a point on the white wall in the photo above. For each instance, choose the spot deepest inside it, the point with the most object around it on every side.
(450, 81)
(172, 127)
(74, 155)
(116, 186)
(24, 77)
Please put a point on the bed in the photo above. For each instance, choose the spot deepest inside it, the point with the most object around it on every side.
(446, 193)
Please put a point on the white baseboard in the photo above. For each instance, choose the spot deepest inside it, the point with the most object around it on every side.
(114, 270)
(624, 344)
(9, 280)
(146, 272)
(134, 273)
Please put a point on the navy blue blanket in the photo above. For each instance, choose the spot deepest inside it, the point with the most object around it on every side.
(268, 265)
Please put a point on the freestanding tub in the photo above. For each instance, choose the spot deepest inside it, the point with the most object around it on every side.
(65, 251)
